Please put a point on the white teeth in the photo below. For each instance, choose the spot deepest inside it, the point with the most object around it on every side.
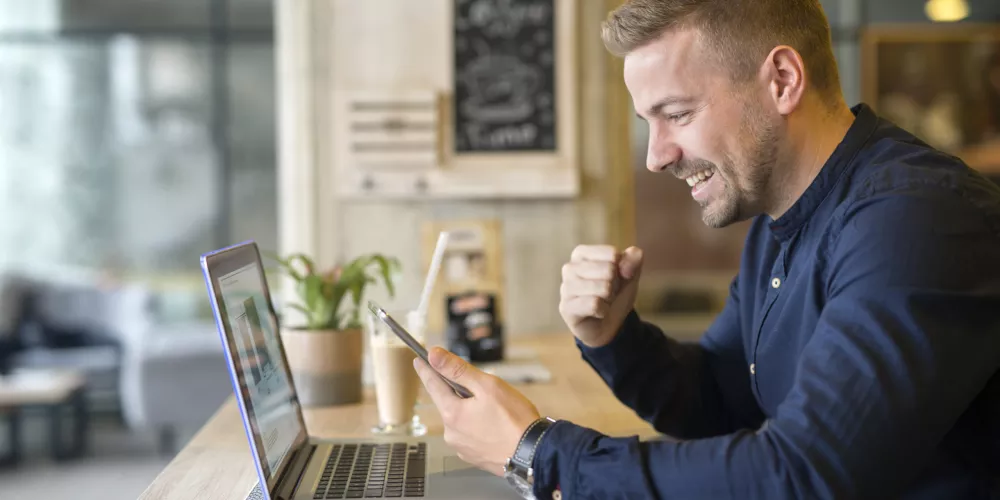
(698, 177)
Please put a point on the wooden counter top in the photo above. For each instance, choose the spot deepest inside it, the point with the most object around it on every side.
(216, 463)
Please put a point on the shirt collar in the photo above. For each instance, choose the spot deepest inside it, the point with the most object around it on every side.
(857, 135)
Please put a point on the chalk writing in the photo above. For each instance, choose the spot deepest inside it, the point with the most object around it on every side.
(504, 75)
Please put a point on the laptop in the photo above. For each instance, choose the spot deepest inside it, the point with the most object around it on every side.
(291, 464)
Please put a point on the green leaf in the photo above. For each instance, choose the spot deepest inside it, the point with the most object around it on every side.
(310, 267)
(322, 298)
(324, 314)
(387, 268)
(314, 290)
(357, 288)
(287, 267)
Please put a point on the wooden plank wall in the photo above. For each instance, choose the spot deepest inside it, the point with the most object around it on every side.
(537, 235)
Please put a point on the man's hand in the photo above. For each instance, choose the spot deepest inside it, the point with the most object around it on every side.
(485, 428)
(598, 290)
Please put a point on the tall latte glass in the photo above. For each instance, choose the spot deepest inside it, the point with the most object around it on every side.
(396, 382)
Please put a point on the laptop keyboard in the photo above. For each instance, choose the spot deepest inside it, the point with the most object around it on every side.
(255, 493)
(374, 471)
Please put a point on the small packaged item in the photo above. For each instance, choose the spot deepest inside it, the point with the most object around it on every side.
(473, 331)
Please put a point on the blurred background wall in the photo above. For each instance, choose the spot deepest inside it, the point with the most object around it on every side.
(407, 46)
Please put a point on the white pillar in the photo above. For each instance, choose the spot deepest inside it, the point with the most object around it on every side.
(296, 111)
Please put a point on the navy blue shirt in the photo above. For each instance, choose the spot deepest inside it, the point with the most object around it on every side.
(856, 356)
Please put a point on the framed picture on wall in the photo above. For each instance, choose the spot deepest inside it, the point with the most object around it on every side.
(941, 83)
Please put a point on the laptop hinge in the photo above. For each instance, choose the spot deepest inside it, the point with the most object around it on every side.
(293, 473)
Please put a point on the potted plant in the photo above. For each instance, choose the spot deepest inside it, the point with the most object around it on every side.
(324, 350)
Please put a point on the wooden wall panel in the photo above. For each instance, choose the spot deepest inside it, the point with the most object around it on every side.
(538, 235)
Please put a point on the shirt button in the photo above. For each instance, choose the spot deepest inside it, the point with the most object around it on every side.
(753, 368)
(557, 495)
(775, 283)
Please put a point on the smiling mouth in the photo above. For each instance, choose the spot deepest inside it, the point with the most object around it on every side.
(699, 177)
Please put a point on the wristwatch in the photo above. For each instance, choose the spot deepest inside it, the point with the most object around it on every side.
(518, 469)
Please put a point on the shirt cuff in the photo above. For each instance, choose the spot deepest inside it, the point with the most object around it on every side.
(620, 352)
(555, 461)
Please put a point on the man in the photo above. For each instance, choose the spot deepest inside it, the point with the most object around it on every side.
(857, 354)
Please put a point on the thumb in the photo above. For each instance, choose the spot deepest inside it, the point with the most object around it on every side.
(630, 264)
(452, 367)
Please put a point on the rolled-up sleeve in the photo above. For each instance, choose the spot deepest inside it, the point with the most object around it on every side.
(909, 335)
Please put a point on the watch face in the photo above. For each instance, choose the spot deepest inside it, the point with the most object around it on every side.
(521, 486)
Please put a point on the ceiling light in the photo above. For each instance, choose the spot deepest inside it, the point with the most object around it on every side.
(945, 11)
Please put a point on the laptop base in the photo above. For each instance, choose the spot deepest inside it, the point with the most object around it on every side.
(396, 468)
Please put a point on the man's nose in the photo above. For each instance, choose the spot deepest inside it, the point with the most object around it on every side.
(661, 155)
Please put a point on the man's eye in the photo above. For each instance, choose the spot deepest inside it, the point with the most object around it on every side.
(676, 117)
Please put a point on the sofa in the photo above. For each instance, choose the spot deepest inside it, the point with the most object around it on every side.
(64, 325)
(174, 377)
(152, 368)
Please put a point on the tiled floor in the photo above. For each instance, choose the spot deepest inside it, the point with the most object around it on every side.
(119, 466)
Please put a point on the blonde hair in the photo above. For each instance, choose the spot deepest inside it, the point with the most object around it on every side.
(738, 33)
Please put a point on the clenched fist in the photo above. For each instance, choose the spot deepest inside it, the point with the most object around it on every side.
(598, 290)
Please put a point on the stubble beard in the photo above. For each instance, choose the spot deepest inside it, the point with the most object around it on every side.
(744, 181)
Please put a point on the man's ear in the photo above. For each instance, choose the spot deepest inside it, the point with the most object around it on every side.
(784, 72)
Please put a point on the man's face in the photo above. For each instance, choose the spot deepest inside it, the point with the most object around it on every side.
(704, 128)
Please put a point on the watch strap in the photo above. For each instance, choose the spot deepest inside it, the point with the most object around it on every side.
(524, 454)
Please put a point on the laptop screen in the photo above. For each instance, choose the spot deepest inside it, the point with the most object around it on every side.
(270, 400)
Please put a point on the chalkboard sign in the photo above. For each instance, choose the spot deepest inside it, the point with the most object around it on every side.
(504, 75)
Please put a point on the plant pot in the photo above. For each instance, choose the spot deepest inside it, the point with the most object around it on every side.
(325, 365)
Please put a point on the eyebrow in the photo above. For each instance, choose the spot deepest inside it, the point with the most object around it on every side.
(662, 103)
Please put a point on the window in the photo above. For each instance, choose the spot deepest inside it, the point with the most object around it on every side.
(136, 135)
